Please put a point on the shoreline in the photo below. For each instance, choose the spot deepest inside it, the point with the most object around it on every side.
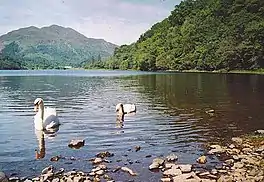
(242, 159)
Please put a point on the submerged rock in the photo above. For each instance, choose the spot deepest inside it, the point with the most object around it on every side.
(76, 144)
(126, 169)
(171, 157)
(104, 154)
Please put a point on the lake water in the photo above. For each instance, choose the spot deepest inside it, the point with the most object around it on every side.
(170, 116)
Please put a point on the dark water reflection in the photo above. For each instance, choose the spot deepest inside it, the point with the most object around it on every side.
(170, 116)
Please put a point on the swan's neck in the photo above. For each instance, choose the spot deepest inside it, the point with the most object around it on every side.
(41, 111)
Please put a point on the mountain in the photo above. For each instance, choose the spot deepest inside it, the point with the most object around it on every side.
(52, 46)
(202, 35)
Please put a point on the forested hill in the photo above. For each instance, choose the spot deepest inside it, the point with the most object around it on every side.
(200, 34)
(50, 47)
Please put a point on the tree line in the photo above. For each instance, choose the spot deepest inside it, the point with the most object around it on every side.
(199, 34)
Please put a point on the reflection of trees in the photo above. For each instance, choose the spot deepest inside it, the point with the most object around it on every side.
(194, 93)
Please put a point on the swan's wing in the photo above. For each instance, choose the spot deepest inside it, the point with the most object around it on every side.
(50, 111)
(51, 119)
(128, 108)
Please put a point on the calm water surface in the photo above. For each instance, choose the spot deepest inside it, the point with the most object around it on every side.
(170, 116)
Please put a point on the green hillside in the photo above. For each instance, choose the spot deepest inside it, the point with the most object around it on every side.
(202, 35)
(51, 47)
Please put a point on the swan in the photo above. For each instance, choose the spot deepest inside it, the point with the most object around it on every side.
(46, 118)
(122, 109)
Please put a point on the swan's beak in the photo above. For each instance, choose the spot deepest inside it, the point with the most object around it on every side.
(36, 108)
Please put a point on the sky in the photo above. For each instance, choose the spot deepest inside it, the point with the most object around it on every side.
(116, 21)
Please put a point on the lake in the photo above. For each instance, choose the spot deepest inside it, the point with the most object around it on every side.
(171, 116)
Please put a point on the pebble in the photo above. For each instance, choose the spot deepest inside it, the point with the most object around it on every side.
(171, 157)
(202, 160)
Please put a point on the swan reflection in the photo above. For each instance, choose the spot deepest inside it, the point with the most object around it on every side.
(41, 135)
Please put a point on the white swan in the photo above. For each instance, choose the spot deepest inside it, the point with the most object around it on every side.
(122, 109)
(46, 118)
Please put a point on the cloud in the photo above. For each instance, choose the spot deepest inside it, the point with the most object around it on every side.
(117, 21)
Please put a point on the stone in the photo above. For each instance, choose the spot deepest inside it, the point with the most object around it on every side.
(232, 146)
(76, 144)
(55, 158)
(165, 179)
(238, 165)
(102, 166)
(55, 180)
(126, 169)
(185, 168)
(100, 172)
(216, 149)
(230, 162)
(3, 177)
(202, 160)
(137, 148)
(172, 172)
(169, 165)
(237, 140)
(171, 157)
(247, 150)
(97, 160)
(214, 171)
(260, 132)
(183, 177)
(47, 170)
(156, 163)
(104, 154)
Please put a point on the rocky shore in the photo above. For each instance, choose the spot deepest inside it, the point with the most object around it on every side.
(242, 160)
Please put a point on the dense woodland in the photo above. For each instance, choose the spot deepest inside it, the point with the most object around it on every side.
(202, 35)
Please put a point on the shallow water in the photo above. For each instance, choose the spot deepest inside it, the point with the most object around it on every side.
(170, 116)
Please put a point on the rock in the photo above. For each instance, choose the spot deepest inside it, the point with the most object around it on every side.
(202, 160)
(165, 179)
(247, 150)
(137, 148)
(224, 178)
(104, 154)
(27, 180)
(172, 171)
(3, 177)
(102, 166)
(185, 168)
(230, 162)
(116, 169)
(210, 111)
(126, 169)
(214, 171)
(55, 158)
(232, 146)
(216, 149)
(237, 140)
(47, 170)
(56, 180)
(76, 144)
(156, 163)
(260, 132)
(170, 165)
(186, 177)
(238, 165)
(100, 172)
(97, 160)
(60, 171)
(148, 156)
(260, 149)
(171, 157)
